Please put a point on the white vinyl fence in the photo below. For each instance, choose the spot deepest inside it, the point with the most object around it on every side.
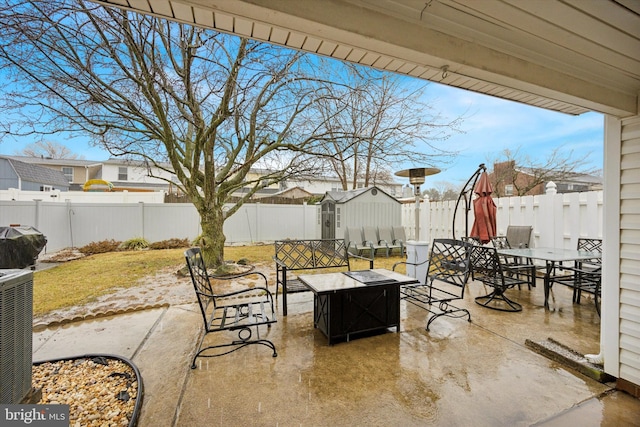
(557, 219)
(77, 224)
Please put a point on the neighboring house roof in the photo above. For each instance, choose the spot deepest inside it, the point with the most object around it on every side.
(54, 162)
(345, 196)
(38, 174)
(81, 162)
(576, 178)
(293, 193)
(135, 162)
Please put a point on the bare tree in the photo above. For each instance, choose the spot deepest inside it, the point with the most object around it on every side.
(211, 105)
(378, 121)
(442, 191)
(49, 150)
(433, 194)
(525, 173)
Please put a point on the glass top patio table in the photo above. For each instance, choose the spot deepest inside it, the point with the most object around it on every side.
(551, 256)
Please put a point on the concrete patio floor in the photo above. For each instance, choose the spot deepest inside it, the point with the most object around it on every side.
(457, 374)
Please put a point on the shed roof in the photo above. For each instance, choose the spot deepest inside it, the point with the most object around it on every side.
(345, 196)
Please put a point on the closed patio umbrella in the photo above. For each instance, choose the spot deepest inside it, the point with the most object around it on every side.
(484, 224)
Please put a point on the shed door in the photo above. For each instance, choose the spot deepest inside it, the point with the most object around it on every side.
(329, 220)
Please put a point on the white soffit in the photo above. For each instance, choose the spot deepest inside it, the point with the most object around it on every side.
(571, 56)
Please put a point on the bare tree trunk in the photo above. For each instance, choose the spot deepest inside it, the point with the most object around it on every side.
(213, 238)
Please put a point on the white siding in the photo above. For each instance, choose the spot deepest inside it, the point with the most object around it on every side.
(629, 354)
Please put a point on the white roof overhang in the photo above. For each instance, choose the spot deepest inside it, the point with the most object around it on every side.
(570, 56)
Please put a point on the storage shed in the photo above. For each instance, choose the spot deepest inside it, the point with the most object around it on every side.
(357, 208)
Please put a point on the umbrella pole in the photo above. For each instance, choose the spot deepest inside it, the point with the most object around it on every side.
(464, 194)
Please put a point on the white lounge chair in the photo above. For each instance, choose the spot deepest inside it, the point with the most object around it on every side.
(385, 235)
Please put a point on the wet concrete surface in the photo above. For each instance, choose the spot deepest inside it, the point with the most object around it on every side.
(457, 374)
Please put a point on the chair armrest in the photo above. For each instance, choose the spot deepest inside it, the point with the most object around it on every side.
(267, 294)
(409, 263)
(248, 273)
(235, 293)
(350, 255)
(279, 262)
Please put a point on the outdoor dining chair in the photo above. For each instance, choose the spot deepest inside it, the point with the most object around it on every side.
(519, 236)
(515, 265)
(488, 269)
(473, 241)
(583, 276)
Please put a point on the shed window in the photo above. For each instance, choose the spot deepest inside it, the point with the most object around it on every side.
(508, 190)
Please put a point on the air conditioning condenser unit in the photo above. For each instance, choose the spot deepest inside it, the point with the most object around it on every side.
(16, 334)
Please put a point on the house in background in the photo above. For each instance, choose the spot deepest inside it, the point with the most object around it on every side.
(123, 174)
(77, 172)
(320, 184)
(133, 175)
(30, 177)
(290, 196)
(507, 178)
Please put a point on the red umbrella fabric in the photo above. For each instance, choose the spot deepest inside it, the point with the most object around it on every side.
(484, 224)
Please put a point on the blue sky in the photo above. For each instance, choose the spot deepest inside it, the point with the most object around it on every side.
(491, 125)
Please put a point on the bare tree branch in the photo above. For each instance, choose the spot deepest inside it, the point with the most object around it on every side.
(49, 150)
(378, 121)
(522, 172)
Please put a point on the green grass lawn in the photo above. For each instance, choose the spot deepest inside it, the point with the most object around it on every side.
(84, 280)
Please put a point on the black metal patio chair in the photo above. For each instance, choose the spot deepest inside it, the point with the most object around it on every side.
(583, 276)
(238, 311)
(488, 269)
(447, 273)
(519, 266)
